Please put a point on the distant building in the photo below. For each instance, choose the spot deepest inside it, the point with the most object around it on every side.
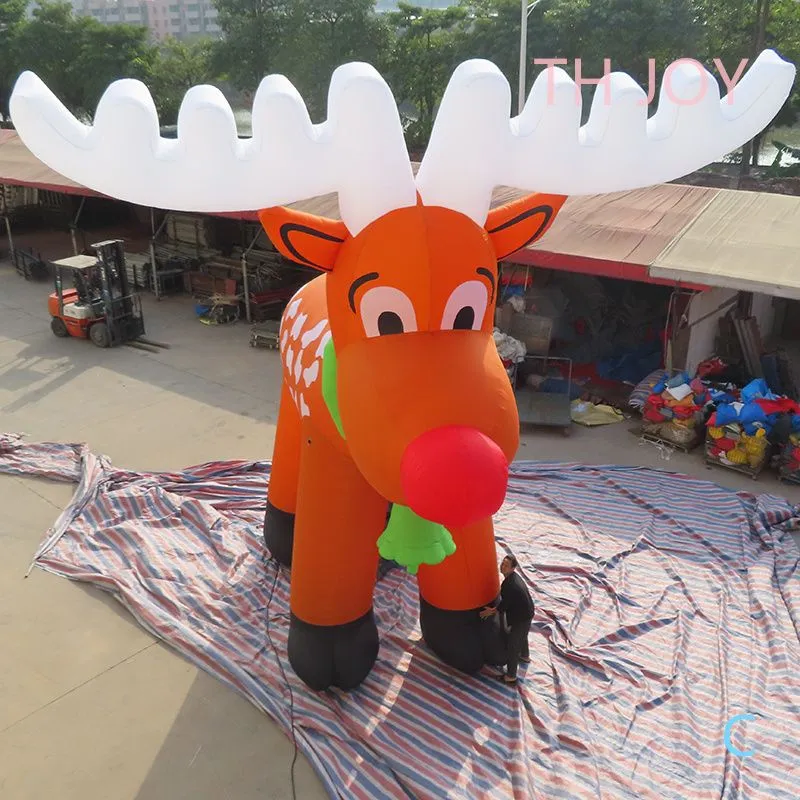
(182, 19)
(391, 5)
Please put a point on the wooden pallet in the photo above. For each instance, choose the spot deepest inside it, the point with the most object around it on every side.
(684, 448)
(265, 335)
(786, 475)
(791, 478)
(742, 469)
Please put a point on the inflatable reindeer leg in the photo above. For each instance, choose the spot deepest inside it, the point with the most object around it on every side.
(393, 390)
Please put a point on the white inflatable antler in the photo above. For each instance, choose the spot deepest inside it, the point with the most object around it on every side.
(358, 152)
(475, 146)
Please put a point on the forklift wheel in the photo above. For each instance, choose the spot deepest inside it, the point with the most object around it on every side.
(58, 327)
(99, 334)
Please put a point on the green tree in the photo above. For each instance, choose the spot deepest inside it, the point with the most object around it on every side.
(491, 30)
(426, 50)
(253, 33)
(627, 32)
(731, 32)
(12, 17)
(303, 39)
(107, 53)
(176, 68)
(322, 35)
(49, 45)
(77, 56)
(726, 29)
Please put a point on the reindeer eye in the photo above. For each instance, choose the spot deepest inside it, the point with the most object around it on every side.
(465, 319)
(466, 307)
(389, 322)
(386, 311)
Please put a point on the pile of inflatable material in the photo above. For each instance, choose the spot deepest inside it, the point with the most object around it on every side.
(511, 351)
(674, 410)
(740, 430)
(789, 469)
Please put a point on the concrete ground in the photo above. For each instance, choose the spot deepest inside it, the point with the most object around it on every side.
(91, 706)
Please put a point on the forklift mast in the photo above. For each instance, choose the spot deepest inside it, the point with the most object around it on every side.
(123, 309)
(111, 255)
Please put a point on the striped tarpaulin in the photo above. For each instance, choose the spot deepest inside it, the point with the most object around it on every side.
(665, 606)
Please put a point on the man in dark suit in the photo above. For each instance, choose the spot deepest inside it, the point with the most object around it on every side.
(517, 606)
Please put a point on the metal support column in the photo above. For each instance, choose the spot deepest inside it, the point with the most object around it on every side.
(11, 253)
(74, 225)
(154, 235)
(245, 279)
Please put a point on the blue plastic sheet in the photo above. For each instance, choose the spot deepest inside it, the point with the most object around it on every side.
(755, 389)
(752, 412)
(726, 415)
(679, 380)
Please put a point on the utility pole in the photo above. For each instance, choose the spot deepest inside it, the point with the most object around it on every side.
(523, 54)
(525, 12)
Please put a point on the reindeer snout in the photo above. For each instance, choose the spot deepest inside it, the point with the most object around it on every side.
(454, 476)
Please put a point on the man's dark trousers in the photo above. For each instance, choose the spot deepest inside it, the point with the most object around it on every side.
(518, 645)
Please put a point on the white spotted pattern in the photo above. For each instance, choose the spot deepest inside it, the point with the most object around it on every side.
(298, 325)
(295, 341)
(325, 339)
(291, 310)
(311, 374)
(313, 334)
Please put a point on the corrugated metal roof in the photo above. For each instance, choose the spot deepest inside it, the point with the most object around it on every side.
(19, 167)
(625, 227)
(692, 234)
(748, 241)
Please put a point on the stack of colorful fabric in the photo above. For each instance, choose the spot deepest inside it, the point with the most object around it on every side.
(790, 462)
(731, 446)
(739, 428)
(674, 409)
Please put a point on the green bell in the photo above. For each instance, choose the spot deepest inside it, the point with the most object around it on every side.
(411, 540)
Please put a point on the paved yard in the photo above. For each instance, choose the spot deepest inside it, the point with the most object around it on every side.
(91, 706)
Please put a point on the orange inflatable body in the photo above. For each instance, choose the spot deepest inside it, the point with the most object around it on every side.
(394, 393)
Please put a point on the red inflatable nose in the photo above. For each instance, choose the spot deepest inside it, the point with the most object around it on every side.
(454, 476)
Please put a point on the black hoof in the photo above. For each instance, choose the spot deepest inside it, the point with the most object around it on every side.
(279, 534)
(338, 655)
(461, 638)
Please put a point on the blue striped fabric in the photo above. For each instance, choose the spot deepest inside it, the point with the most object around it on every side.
(664, 606)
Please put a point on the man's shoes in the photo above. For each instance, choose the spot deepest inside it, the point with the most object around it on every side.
(508, 680)
(494, 672)
(525, 660)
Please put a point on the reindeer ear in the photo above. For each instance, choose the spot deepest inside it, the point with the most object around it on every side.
(521, 222)
(304, 238)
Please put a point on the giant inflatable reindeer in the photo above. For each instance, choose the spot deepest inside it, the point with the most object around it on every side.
(393, 392)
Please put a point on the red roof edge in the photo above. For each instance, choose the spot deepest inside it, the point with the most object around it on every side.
(595, 266)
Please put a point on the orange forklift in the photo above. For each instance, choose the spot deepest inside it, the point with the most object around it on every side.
(92, 299)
